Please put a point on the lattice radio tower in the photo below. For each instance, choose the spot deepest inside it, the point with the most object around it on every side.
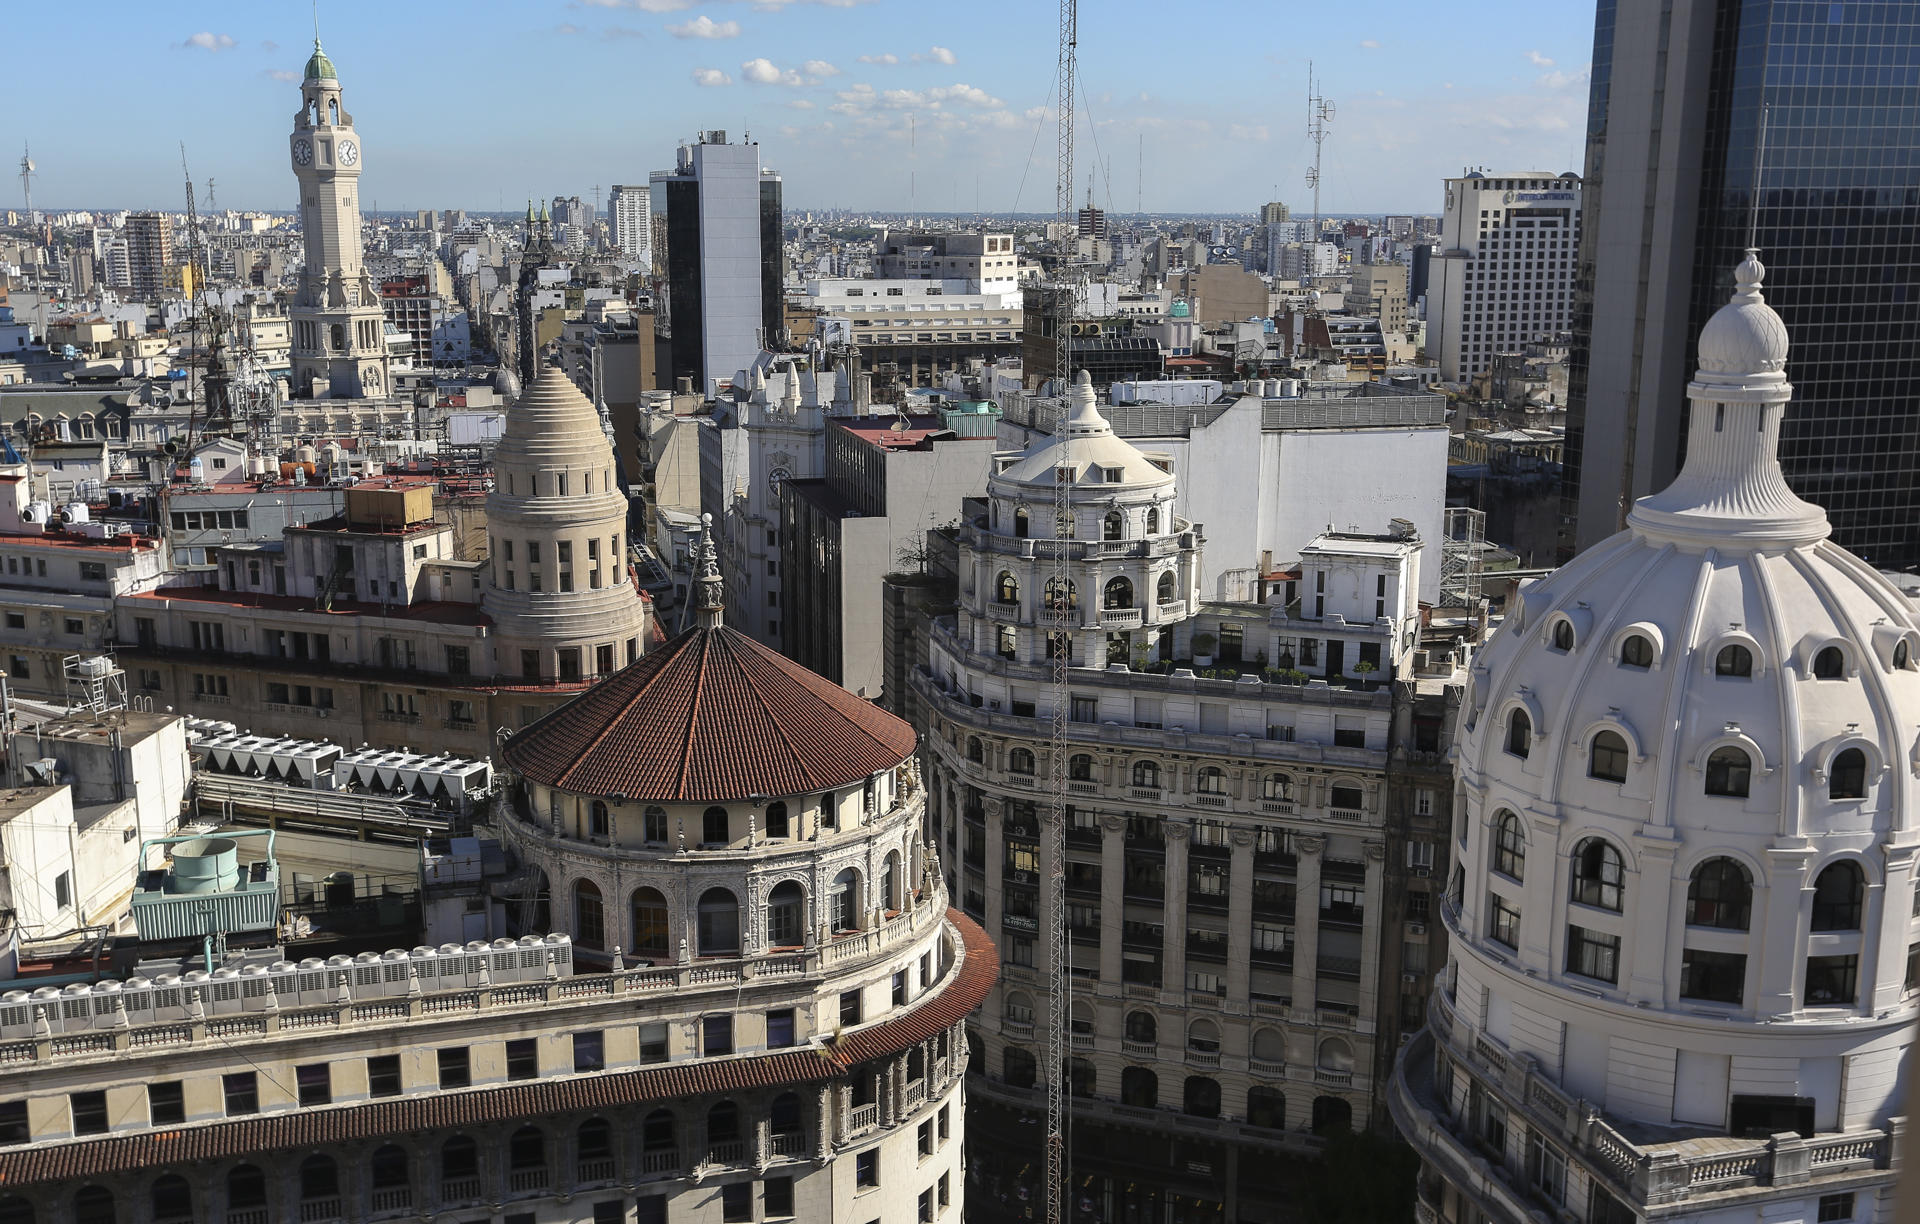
(1319, 114)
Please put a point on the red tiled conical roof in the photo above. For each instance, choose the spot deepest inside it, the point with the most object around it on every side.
(708, 717)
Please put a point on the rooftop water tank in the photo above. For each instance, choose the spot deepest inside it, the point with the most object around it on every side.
(204, 865)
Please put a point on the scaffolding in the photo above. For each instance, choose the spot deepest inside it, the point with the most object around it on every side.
(1462, 555)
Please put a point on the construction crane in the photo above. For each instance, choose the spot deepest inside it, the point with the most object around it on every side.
(1059, 979)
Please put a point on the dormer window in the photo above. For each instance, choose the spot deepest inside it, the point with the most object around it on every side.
(1636, 651)
(1562, 636)
(1829, 664)
(1736, 661)
(1113, 475)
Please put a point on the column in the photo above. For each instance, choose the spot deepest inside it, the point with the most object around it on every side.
(1240, 920)
(1371, 926)
(1789, 895)
(1306, 927)
(995, 807)
(1113, 904)
(823, 1123)
(1646, 929)
(1173, 916)
(1888, 957)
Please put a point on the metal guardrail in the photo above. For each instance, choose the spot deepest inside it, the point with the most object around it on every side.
(256, 795)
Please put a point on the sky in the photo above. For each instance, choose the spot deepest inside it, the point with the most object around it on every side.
(885, 105)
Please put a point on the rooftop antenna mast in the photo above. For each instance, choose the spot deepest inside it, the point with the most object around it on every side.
(1319, 114)
(27, 173)
(1062, 610)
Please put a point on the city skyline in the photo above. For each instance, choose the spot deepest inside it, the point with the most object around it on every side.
(859, 105)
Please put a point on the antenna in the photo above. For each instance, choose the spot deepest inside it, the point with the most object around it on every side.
(1759, 166)
(211, 206)
(27, 173)
(1319, 112)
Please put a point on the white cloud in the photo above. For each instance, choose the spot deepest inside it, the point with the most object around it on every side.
(281, 74)
(799, 104)
(1561, 80)
(567, 27)
(940, 55)
(1241, 131)
(763, 71)
(704, 26)
(888, 58)
(208, 41)
(819, 68)
(706, 77)
(1371, 44)
(864, 97)
(760, 71)
(1538, 60)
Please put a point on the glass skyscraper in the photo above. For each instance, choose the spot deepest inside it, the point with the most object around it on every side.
(1674, 157)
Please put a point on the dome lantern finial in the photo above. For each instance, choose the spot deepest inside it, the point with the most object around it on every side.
(1083, 412)
(712, 598)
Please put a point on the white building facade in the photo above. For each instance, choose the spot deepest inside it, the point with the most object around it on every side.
(1503, 275)
(1684, 972)
(630, 208)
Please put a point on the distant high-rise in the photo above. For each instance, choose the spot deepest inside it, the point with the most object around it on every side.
(725, 266)
(1673, 135)
(1093, 222)
(630, 208)
(149, 253)
(1275, 213)
(1503, 276)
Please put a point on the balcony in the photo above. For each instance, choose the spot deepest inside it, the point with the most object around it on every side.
(1121, 618)
(866, 1117)
(1203, 1058)
(597, 1169)
(394, 1198)
(320, 1208)
(792, 1145)
(459, 1189)
(399, 716)
(727, 1152)
(1003, 613)
(657, 1161)
(522, 1181)
(1140, 1049)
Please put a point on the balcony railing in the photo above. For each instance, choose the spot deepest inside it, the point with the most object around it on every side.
(459, 1189)
(522, 1180)
(727, 1152)
(327, 1208)
(791, 1144)
(594, 1169)
(393, 1198)
(660, 1160)
(866, 1117)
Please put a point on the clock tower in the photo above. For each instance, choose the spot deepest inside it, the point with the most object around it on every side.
(339, 332)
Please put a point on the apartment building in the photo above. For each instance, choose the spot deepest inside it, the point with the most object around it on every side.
(1503, 276)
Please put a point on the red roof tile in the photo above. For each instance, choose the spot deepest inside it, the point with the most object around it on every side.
(307, 1128)
(710, 716)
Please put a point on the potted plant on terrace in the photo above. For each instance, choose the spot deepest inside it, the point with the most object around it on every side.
(1203, 644)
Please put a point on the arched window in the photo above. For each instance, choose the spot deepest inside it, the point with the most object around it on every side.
(1017, 1008)
(890, 881)
(1266, 1107)
(1829, 664)
(1022, 522)
(650, 934)
(527, 1150)
(975, 752)
(1139, 1088)
(654, 822)
(1164, 590)
(599, 823)
(593, 1150)
(319, 1179)
(246, 1186)
(1598, 874)
(1081, 1078)
(1203, 1037)
(1153, 520)
(844, 901)
(589, 916)
(1902, 655)
(1080, 768)
(1847, 777)
(1053, 594)
(786, 915)
(1331, 1115)
(1733, 660)
(713, 827)
(1277, 787)
(1113, 526)
(1335, 1055)
(1838, 895)
(1020, 761)
(1212, 780)
(1509, 846)
(718, 922)
(1562, 635)
(1519, 733)
(1007, 589)
(172, 1197)
(1142, 1027)
(1017, 1067)
(1117, 594)
(1146, 773)
(659, 1133)
(459, 1159)
(1607, 757)
(1636, 651)
(391, 1168)
(723, 1123)
(1201, 1098)
(1729, 772)
(1720, 894)
(1269, 1046)
(785, 1118)
(94, 1205)
(777, 825)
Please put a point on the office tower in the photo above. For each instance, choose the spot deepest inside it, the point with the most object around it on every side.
(149, 253)
(339, 334)
(1503, 276)
(1275, 213)
(1672, 142)
(725, 263)
(1683, 974)
(1093, 222)
(630, 210)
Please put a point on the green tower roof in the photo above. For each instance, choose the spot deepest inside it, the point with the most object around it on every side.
(319, 67)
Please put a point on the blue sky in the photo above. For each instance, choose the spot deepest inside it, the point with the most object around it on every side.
(882, 104)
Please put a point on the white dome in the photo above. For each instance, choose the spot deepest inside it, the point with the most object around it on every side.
(1718, 688)
(1097, 454)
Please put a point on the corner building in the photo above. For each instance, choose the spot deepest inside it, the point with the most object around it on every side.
(753, 1009)
(1683, 925)
(1225, 848)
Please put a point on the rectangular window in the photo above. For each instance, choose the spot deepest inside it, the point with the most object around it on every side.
(849, 1008)
(776, 1195)
(736, 1202)
(925, 1138)
(946, 1191)
(650, 1210)
(926, 1207)
(866, 1168)
(89, 1112)
(1832, 981)
(653, 1042)
(780, 1028)
(63, 890)
(166, 1103)
(1718, 977)
(1547, 1169)
(241, 1092)
(1503, 921)
(589, 1051)
(455, 1068)
(16, 620)
(383, 1075)
(609, 1211)
(523, 1059)
(315, 1081)
(1835, 1208)
(946, 1128)
(14, 1127)
(1593, 954)
(459, 663)
(90, 571)
(716, 1035)
(900, 988)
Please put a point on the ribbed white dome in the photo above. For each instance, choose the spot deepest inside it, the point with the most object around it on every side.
(1745, 335)
(1094, 446)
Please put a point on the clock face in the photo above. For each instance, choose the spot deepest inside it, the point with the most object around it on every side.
(349, 153)
(303, 152)
(774, 479)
